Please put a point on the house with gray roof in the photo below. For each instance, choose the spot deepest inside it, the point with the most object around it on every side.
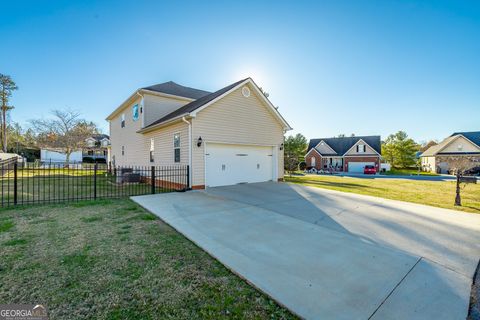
(344, 154)
(439, 158)
(229, 136)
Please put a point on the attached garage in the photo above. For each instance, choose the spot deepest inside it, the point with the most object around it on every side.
(227, 164)
(357, 167)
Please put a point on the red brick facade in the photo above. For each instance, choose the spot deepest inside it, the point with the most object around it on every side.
(375, 159)
(318, 160)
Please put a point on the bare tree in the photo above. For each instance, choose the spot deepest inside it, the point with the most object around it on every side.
(65, 131)
(458, 166)
(7, 86)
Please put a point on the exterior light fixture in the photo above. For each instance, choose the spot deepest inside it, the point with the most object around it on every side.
(281, 146)
(199, 142)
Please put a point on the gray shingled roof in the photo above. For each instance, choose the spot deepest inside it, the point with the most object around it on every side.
(342, 145)
(99, 136)
(192, 106)
(473, 136)
(175, 89)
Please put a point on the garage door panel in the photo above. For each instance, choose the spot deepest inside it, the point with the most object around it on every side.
(233, 164)
(357, 167)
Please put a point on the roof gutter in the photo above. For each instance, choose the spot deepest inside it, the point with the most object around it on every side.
(161, 124)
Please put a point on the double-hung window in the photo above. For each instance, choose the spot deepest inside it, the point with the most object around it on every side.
(176, 147)
(123, 120)
(360, 148)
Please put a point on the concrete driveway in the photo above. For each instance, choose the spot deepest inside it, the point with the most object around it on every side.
(331, 255)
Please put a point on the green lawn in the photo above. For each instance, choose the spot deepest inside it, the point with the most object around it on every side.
(110, 259)
(433, 193)
(407, 172)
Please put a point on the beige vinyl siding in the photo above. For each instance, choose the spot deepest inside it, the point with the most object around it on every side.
(156, 107)
(325, 148)
(467, 146)
(235, 119)
(128, 137)
(163, 142)
(368, 150)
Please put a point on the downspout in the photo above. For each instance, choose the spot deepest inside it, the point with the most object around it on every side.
(189, 152)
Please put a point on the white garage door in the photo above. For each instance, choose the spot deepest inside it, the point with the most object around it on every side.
(357, 167)
(232, 164)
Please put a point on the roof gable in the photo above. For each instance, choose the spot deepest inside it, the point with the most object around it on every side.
(323, 148)
(473, 137)
(343, 144)
(368, 149)
(203, 102)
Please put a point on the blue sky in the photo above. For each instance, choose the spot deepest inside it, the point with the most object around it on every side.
(363, 67)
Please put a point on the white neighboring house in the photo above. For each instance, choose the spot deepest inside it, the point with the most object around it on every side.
(233, 135)
(96, 147)
(438, 158)
(58, 156)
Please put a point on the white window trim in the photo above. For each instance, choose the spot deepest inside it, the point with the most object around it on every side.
(151, 154)
(179, 146)
(313, 161)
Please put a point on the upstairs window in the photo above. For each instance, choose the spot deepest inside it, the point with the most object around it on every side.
(176, 147)
(123, 120)
(152, 149)
(135, 112)
(123, 150)
(360, 148)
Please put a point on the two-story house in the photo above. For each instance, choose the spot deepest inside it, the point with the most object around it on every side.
(233, 135)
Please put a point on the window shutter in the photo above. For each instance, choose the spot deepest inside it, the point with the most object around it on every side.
(357, 147)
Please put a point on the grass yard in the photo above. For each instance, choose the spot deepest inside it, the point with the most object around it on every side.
(111, 259)
(407, 172)
(433, 193)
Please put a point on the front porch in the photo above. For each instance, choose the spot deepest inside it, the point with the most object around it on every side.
(332, 164)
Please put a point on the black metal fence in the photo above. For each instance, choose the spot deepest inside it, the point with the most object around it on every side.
(29, 183)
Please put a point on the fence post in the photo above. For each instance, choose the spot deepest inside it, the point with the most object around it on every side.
(15, 183)
(95, 181)
(152, 179)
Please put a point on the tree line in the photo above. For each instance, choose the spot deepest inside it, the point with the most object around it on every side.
(64, 130)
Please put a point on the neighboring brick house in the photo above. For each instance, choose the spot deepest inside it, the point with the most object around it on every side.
(346, 154)
(465, 144)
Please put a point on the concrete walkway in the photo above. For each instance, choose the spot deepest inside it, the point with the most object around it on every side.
(331, 255)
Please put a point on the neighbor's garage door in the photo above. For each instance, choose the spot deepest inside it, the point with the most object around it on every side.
(357, 167)
(232, 164)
